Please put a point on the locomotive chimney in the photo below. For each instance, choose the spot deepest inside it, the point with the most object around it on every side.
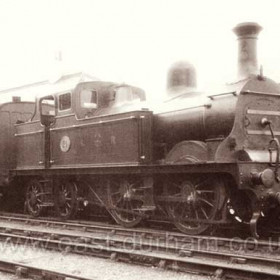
(247, 35)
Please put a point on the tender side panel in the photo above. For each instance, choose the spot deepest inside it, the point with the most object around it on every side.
(30, 145)
(10, 114)
(119, 139)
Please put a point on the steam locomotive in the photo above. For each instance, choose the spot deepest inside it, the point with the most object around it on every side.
(198, 160)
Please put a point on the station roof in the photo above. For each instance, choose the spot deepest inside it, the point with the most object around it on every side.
(28, 92)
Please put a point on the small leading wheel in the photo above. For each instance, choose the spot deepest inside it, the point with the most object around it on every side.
(122, 201)
(194, 200)
(33, 198)
(66, 203)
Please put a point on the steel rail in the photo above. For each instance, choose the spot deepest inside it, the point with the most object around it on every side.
(169, 256)
(27, 271)
(102, 228)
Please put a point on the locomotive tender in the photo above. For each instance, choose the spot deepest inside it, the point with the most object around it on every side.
(199, 160)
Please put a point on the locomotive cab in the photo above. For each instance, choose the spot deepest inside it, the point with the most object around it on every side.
(102, 98)
(89, 99)
(87, 125)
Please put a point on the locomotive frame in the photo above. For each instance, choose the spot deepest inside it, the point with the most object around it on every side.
(47, 178)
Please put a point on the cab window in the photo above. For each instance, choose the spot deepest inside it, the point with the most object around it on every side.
(64, 101)
(88, 99)
(125, 95)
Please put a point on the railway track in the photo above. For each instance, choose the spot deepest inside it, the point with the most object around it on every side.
(27, 271)
(181, 253)
(236, 244)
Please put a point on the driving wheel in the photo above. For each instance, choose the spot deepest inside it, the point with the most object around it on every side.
(191, 203)
(33, 198)
(66, 202)
(122, 201)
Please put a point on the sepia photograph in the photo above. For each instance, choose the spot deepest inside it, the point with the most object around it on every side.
(139, 140)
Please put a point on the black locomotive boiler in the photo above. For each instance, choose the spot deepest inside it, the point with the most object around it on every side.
(198, 160)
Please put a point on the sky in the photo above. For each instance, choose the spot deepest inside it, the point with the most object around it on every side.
(132, 41)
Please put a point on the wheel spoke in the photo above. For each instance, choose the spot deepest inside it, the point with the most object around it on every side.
(200, 183)
(118, 201)
(204, 213)
(116, 193)
(177, 195)
(39, 194)
(196, 214)
(204, 191)
(206, 201)
(184, 211)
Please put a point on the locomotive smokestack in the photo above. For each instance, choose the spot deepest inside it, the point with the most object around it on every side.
(247, 35)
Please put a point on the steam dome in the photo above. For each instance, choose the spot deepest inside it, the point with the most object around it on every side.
(181, 77)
